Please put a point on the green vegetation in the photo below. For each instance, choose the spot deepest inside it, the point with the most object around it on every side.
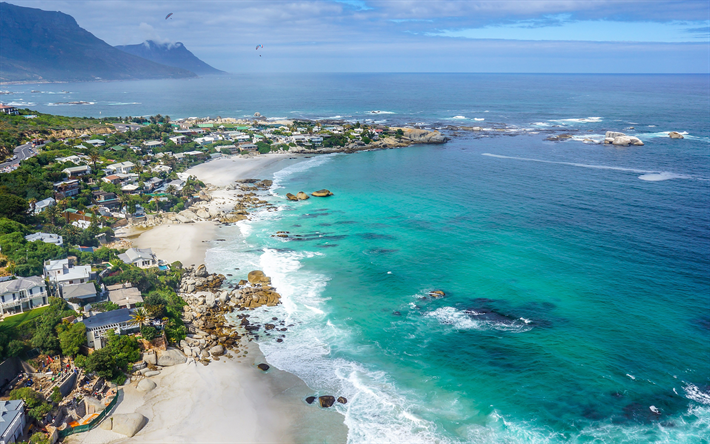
(71, 338)
(35, 403)
(112, 361)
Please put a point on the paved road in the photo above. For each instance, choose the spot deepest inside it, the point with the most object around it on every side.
(22, 152)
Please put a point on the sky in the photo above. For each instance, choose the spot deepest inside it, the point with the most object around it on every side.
(550, 36)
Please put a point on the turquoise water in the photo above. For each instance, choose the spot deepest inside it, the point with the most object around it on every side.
(577, 276)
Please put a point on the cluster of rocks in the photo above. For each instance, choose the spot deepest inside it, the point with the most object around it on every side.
(413, 135)
(675, 135)
(621, 139)
(326, 401)
(210, 333)
(303, 196)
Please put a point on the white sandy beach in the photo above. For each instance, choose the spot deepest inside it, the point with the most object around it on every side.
(228, 401)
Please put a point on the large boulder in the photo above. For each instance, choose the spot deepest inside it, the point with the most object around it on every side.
(217, 350)
(150, 358)
(127, 424)
(675, 135)
(171, 357)
(146, 385)
(202, 213)
(322, 193)
(290, 196)
(302, 196)
(258, 277)
(326, 401)
(201, 271)
(621, 139)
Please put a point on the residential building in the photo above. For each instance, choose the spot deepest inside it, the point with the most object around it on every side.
(152, 143)
(178, 140)
(44, 204)
(205, 140)
(77, 171)
(227, 149)
(161, 169)
(130, 189)
(120, 168)
(102, 198)
(49, 238)
(124, 295)
(124, 127)
(21, 294)
(152, 183)
(119, 321)
(316, 140)
(140, 257)
(12, 421)
(64, 272)
(67, 188)
(76, 160)
(96, 142)
(114, 179)
(7, 109)
(85, 292)
(247, 147)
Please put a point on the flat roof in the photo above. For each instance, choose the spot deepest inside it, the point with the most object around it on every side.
(107, 318)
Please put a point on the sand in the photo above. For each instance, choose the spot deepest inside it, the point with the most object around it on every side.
(186, 243)
(230, 400)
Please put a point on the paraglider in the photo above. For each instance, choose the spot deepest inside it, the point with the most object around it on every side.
(168, 16)
(259, 46)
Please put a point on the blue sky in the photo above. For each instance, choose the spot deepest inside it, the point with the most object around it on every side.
(612, 36)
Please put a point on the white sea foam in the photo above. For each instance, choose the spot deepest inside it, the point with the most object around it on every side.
(21, 103)
(578, 120)
(697, 395)
(479, 119)
(658, 177)
(459, 117)
(123, 103)
(645, 174)
(281, 176)
(379, 112)
(461, 320)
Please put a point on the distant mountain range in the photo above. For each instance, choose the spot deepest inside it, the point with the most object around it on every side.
(170, 54)
(37, 45)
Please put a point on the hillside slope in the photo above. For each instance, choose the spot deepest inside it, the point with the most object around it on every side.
(42, 45)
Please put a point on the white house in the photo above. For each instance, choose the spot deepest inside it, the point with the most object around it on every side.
(63, 272)
(49, 238)
(12, 421)
(73, 159)
(140, 257)
(178, 140)
(316, 140)
(77, 171)
(205, 140)
(44, 204)
(120, 168)
(96, 142)
(23, 293)
(152, 143)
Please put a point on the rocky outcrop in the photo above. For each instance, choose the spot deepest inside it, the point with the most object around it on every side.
(290, 196)
(621, 139)
(127, 424)
(263, 367)
(322, 193)
(326, 401)
(675, 135)
(302, 196)
(201, 271)
(258, 277)
(414, 135)
(342, 400)
(437, 294)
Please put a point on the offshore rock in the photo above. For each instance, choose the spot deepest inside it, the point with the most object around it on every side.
(290, 196)
(422, 136)
(675, 135)
(302, 196)
(322, 193)
(342, 400)
(326, 401)
(437, 294)
(263, 367)
(310, 399)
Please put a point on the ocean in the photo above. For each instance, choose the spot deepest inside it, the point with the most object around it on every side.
(576, 275)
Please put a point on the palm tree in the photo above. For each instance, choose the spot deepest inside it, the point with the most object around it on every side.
(140, 317)
(94, 157)
(171, 189)
(33, 203)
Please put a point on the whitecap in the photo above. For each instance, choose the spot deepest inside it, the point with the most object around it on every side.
(461, 320)
(578, 120)
(631, 376)
(459, 117)
(479, 119)
(658, 177)
(697, 395)
(379, 112)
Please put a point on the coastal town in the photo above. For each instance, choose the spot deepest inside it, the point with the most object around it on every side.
(84, 313)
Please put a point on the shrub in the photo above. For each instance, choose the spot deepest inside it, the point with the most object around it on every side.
(149, 333)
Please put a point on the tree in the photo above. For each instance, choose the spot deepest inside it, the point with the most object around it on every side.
(34, 402)
(44, 338)
(139, 317)
(33, 203)
(72, 339)
(56, 396)
(13, 207)
(94, 157)
(102, 363)
(15, 347)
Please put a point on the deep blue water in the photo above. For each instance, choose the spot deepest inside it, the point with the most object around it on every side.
(577, 275)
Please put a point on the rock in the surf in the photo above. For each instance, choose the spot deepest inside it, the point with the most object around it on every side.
(326, 401)
(322, 193)
(258, 277)
(675, 135)
(437, 294)
(263, 367)
(621, 139)
(342, 400)
(302, 196)
(290, 196)
(310, 399)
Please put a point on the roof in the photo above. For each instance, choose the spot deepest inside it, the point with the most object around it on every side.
(9, 411)
(110, 317)
(80, 291)
(77, 168)
(49, 238)
(124, 296)
(133, 254)
(21, 283)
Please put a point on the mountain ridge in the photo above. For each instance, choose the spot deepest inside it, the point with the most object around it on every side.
(39, 45)
(170, 54)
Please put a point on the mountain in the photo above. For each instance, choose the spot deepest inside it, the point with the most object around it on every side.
(171, 54)
(38, 45)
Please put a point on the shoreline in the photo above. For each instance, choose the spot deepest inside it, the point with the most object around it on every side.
(230, 400)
